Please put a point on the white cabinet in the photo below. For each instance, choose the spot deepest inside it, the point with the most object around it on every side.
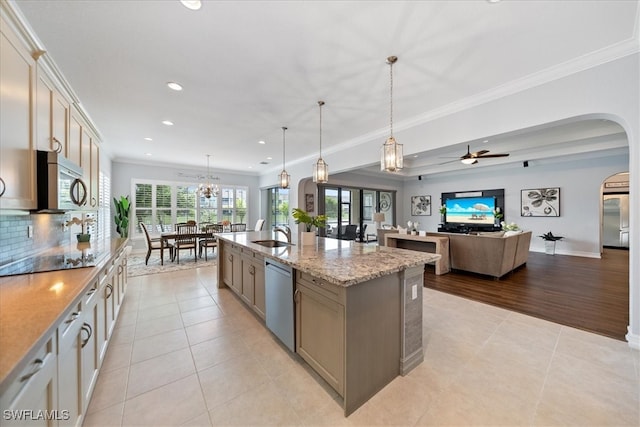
(69, 366)
(34, 391)
(52, 116)
(17, 162)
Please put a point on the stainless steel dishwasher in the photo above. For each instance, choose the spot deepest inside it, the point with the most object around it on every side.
(279, 306)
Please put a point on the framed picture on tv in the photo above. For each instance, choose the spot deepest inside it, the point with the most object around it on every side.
(540, 202)
(420, 205)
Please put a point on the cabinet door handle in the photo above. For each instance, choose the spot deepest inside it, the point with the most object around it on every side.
(110, 287)
(91, 291)
(58, 145)
(73, 317)
(94, 202)
(38, 363)
(296, 296)
(4, 187)
(252, 270)
(87, 328)
(78, 186)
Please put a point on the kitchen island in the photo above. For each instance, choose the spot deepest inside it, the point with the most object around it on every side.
(358, 307)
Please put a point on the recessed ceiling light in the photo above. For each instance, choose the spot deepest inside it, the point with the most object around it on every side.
(147, 154)
(261, 142)
(269, 158)
(485, 141)
(167, 122)
(148, 139)
(250, 167)
(191, 4)
(415, 156)
(493, 1)
(175, 86)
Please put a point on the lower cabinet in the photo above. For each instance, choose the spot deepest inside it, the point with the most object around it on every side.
(70, 366)
(56, 387)
(243, 272)
(35, 391)
(320, 328)
(253, 282)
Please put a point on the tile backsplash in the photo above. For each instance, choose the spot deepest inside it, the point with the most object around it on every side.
(48, 231)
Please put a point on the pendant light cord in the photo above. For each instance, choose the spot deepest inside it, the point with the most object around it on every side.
(283, 144)
(391, 99)
(320, 103)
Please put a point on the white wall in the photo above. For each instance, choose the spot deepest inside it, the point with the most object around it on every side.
(579, 181)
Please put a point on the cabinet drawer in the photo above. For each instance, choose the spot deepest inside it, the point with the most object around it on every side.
(34, 376)
(69, 328)
(329, 290)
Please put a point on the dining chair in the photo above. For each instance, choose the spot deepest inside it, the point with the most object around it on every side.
(238, 227)
(185, 239)
(155, 243)
(209, 241)
(259, 225)
(350, 232)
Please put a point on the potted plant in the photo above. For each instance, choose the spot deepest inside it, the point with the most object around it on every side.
(83, 236)
(122, 215)
(550, 242)
(309, 221)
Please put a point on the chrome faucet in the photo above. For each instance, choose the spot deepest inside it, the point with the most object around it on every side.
(284, 230)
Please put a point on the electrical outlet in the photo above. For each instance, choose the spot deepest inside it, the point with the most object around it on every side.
(29, 231)
(414, 292)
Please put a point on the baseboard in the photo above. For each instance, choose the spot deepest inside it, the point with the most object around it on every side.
(571, 253)
(632, 339)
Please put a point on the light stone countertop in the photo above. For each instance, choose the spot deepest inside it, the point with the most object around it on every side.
(31, 307)
(341, 262)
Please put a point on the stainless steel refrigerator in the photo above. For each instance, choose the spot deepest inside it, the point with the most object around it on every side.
(615, 221)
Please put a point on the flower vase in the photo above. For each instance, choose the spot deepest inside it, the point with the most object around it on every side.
(550, 247)
(307, 238)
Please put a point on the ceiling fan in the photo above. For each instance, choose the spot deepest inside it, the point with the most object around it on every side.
(472, 158)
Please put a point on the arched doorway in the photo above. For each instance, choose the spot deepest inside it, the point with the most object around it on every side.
(615, 212)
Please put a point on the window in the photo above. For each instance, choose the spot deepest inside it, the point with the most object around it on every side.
(161, 205)
(278, 200)
(343, 205)
(104, 207)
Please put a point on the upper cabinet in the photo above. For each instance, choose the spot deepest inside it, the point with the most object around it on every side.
(17, 156)
(36, 114)
(52, 121)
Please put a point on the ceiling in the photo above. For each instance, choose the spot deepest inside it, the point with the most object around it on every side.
(250, 67)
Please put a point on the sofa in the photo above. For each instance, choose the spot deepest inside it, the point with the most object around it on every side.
(492, 254)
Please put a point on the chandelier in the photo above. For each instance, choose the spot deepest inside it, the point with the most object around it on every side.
(320, 169)
(391, 159)
(208, 189)
(284, 176)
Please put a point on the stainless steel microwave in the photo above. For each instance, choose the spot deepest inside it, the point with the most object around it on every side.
(60, 185)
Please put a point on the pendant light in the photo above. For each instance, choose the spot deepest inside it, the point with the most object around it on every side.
(207, 189)
(391, 160)
(320, 169)
(284, 176)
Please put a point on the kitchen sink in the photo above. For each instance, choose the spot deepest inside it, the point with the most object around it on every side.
(271, 243)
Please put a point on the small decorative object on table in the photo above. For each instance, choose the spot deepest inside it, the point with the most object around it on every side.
(550, 242)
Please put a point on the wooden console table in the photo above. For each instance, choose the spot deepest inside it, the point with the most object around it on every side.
(432, 244)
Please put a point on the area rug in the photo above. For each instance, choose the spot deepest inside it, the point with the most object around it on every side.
(137, 267)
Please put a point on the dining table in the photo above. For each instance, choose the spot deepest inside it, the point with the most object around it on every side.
(165, 237)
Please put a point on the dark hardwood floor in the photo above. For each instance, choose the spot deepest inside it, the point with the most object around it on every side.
(586, 293)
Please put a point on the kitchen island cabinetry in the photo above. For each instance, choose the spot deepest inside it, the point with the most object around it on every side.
(358, 308)
(253, 282)
(17, 107)
(320, 329)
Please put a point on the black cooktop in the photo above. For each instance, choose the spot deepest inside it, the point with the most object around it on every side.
(43, 263)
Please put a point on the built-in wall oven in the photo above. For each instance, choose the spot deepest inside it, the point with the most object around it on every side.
(60, 184)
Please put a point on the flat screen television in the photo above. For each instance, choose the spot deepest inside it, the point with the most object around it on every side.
(470, 211)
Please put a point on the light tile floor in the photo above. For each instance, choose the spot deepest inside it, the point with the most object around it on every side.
(187, 353)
